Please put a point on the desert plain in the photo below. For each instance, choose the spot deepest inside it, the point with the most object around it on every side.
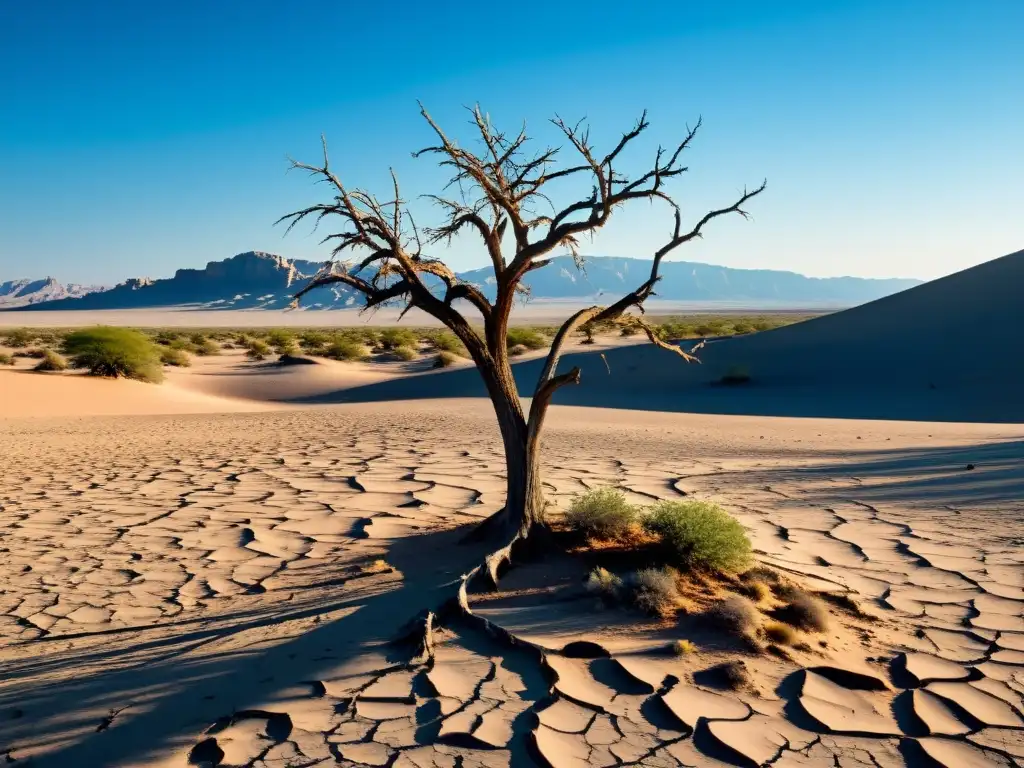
(214, 570)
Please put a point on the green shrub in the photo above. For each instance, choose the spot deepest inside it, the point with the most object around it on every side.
(343, 349)
(654, 591)
(207, 348)
(51, 362)
(445, 359)
(175, 356)
(106, 351)
(257, 349)
(166, 338)
(314, 341)
(181, 344)
(700, 535)
(391, 339)
(18, 338)
(517, 350)
(446, 341)
(527, 337)
(6, 359)
(406, 353)
(282, 341)
(601, 513)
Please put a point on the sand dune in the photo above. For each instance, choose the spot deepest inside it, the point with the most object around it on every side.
(27, 394)
(222, 589)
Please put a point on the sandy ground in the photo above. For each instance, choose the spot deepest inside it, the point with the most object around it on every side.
(185, 586)
(212, 572)
(538, 312)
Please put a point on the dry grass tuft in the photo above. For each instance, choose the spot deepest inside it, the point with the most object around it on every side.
(734, 675)
(176, 357)
(51, 362)
(683, 648)
(757, 591)
(605, 585)
(445, 359)
(654, 591)
(803, 611)
(738, 616)
(780, 633)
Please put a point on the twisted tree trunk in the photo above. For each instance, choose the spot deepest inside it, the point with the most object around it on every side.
(524, 498)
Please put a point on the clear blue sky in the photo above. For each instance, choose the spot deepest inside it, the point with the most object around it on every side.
(140, 137)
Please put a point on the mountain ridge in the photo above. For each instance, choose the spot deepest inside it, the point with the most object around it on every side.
(262, 280)
(22, 292)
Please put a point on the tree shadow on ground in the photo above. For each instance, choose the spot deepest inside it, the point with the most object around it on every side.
(983, 473)
(173, 687)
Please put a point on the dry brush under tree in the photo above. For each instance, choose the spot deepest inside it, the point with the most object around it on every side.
(501, 189)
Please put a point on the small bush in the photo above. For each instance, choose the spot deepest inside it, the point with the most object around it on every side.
(18, 338)
(314, 341)
(517, 350)
(175, 357)
(683, 648)
(257, 349)
(392, 339)
(106, 351)
(803, 612)
(602, 513)
(700, 535)
(527, 337)
(6, 359)
(732, 674)
(51, 362)
(756, 590)
(282, 341)
(405, 353)
(35, 353)
(446, 341)
(736, 615)
(605, 585)
(166, 338)
(779, 633)
(207, 348)
(629, 330)
(445, 359)
(654, 591)
(343, 349)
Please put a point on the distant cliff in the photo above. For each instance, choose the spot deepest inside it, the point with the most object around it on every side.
(20, 293)
(266, 281)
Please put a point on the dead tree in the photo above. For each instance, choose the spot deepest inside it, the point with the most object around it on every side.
(502, 186)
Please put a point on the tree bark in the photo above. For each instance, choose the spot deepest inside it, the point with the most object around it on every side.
(524, 496)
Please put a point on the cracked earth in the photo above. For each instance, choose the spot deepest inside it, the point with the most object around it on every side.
(223, 591)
